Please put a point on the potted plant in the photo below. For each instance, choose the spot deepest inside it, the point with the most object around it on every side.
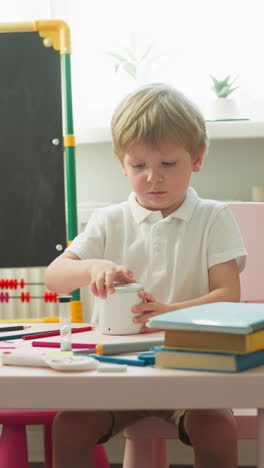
(223, 107)
(135, 60)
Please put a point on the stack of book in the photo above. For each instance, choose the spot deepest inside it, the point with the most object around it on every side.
(218, 337)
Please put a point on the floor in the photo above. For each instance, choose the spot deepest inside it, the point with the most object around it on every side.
(40, 465)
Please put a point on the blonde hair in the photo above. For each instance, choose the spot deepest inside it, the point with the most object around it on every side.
(157, 113)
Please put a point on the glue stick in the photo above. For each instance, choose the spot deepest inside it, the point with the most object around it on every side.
(65, 320)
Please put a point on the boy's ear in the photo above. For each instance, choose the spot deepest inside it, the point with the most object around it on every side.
(124, 172)
(198, 162)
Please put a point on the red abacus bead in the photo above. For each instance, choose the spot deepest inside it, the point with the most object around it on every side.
(25, 297)
(47, 297)
(4, 283)
(8, 284)
(13, 284)
(50, 297)
(22, 283)
(4, 297)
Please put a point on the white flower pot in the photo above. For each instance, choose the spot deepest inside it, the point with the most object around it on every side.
(223, 109)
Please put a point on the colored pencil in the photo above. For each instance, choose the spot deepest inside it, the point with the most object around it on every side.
(14, 328)
(54, 333)
(52, 344)
(31, 336)
(17, 337)
(119, 360)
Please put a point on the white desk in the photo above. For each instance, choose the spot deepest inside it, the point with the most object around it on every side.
(139, 388)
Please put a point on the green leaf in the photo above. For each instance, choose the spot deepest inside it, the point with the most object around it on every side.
(231, 90)
(118, 57)
(223, 92)
(230, 84)
(222, 88)
(225, 81)
(146, 53)
(131, 69)
(219, 85)
(130, 54)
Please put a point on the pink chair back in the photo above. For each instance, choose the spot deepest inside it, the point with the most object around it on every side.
(250, 218)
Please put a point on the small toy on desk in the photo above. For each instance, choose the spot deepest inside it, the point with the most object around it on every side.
(72, 363)
(62, 361)
(23, 359)
(111, 367)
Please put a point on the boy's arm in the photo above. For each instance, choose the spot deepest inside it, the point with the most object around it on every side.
(68, 272)
(224, 285)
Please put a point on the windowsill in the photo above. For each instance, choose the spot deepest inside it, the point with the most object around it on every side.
(216, 131)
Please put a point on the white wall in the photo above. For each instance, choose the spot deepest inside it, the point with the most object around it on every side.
(230, 169)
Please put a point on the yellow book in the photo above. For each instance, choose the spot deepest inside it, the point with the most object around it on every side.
(207, 361)
(214, 341)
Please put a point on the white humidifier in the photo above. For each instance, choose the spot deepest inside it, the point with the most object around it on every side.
(115, 312)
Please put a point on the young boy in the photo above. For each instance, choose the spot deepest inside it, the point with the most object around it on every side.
(184, 250)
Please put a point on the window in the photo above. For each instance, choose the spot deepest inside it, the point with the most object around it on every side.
(190, 39)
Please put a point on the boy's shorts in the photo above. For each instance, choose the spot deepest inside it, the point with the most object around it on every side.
(123, 419)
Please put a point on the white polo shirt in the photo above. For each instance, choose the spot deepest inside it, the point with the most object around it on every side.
(169, 256)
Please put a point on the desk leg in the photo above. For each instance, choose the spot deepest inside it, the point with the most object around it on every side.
(260, 438)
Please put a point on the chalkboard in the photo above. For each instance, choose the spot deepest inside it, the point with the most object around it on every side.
(32, 198)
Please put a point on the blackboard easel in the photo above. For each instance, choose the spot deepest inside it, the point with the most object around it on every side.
(35, 105)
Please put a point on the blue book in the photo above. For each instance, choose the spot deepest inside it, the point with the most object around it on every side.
(225, 317)
(206, 361)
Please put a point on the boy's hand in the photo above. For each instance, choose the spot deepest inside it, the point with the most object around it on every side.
(148, 309)
(104, 273)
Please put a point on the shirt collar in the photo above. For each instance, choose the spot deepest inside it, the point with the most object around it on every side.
(184, 211)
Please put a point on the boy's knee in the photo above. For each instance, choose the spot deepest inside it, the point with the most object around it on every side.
(66, 427)
(76, 428)
(216, 427)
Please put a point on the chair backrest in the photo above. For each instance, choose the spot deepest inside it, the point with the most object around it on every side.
(250, 218)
